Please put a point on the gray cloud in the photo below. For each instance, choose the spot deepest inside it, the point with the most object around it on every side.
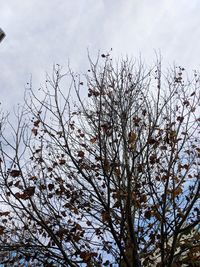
(40, 33)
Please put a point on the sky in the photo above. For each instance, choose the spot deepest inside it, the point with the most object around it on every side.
(40, 33)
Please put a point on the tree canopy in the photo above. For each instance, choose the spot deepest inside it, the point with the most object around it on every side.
(103, 169)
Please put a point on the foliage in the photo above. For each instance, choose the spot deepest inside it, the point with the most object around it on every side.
(107, 179)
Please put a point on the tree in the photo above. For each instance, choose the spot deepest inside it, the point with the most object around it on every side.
(105, 179)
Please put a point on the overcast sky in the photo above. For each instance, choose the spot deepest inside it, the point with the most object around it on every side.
(40, 33)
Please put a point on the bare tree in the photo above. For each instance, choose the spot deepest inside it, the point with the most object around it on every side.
(110, 178)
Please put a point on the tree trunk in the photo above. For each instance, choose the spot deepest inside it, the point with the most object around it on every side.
(131, 255)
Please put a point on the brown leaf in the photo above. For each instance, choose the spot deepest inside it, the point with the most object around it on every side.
(75, 210)
(177, 192)
(88, 223)
(153, 159)
(15, 173)
(180, 118)
(34, 131)
(163, 147)
(136, 121)
(152, 141)
(117, 172)
(86, 256)
(51, 187)
(157, 215)
(117, 204)
(186, 102)
(132, 137)
(105, 216)
(17, 184)
(2, 228)
(36, 123)
(62, 161)
(173, 135)
(19, 195)
(60, 233)
(143, 198)
(28, 192)
(5, 213)
(93, 140)
(33, 178)
(81, 154)
(144, 112)
(78, 227)
(10, 183)
(106, 165)
(147, 214)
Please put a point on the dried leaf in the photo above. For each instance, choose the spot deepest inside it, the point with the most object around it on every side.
(105, 216)
(15, 173)
(132, 137)
(93, 140)
(51, 187)
(81, 154)
(5, 213)
(36, 123)
(177, 192)
(62, 161)
(2, 228)
(106, 165)
(147, 214)
(34, 131)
